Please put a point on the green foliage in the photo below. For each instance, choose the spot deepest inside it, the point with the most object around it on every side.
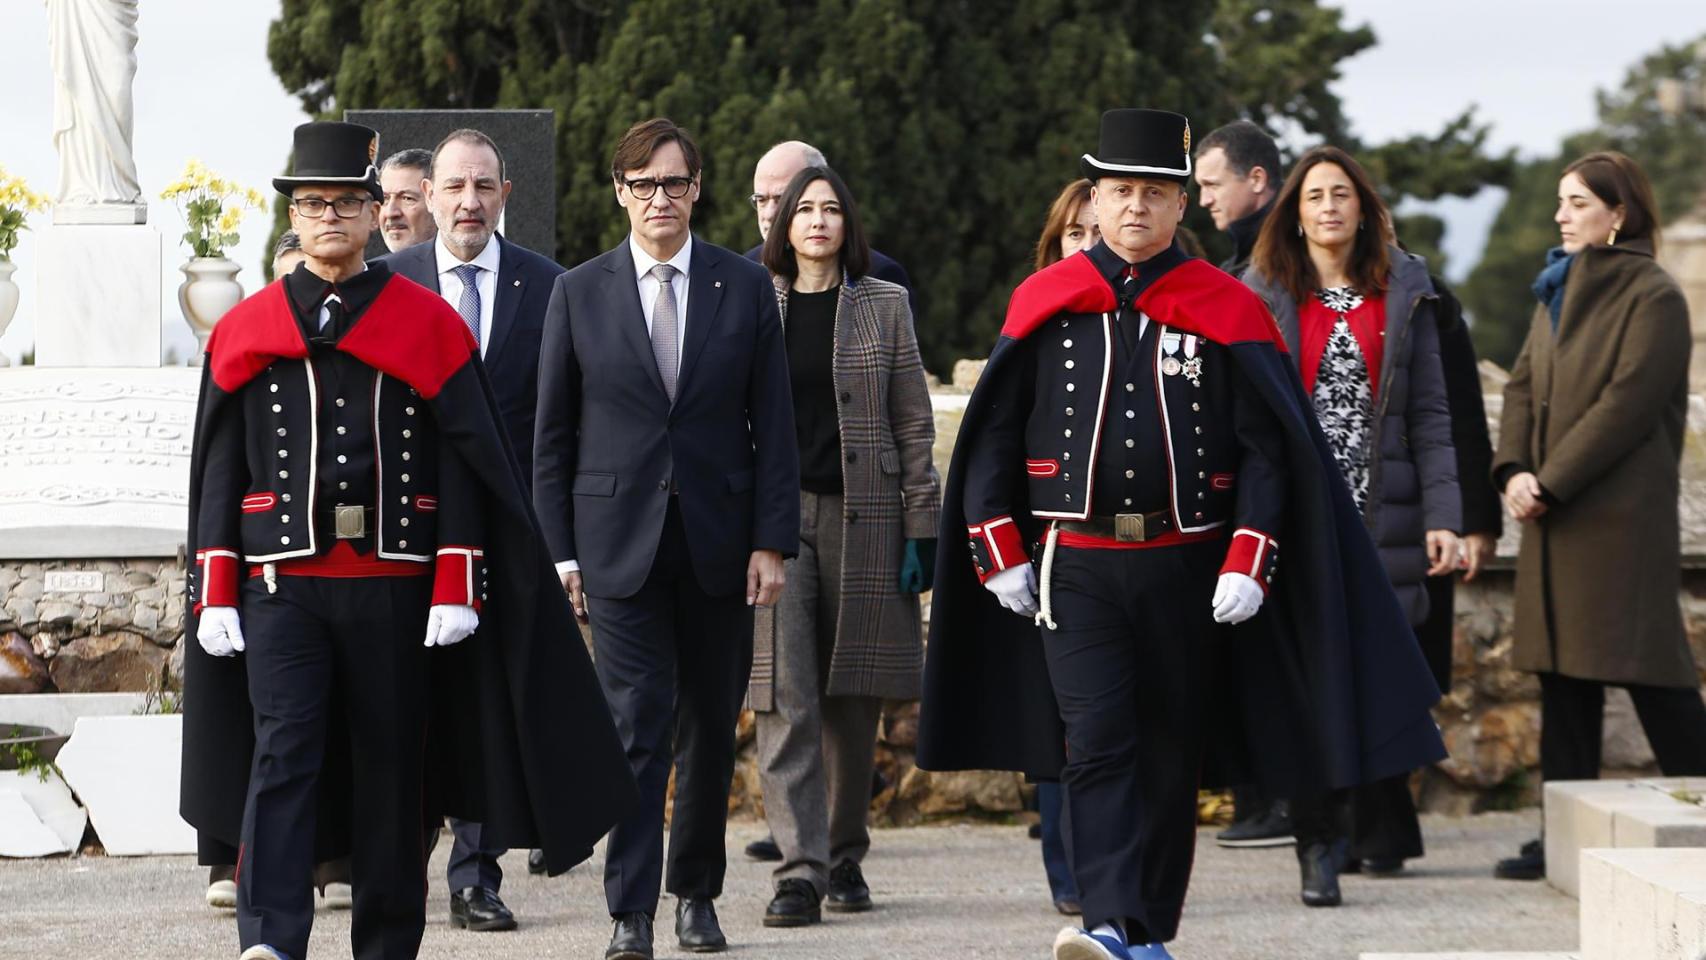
(955, 122)
(27, 758)
(1668, 148)
(11, 224)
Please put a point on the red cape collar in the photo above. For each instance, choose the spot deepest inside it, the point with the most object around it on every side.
(1194, 297)
(408, 332)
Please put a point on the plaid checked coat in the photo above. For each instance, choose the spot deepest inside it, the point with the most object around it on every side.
(892, 494)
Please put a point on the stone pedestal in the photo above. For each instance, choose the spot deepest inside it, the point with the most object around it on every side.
(1624, 814)
(95, 463)
(1643, 904)
(1683, 253)
(98, 296)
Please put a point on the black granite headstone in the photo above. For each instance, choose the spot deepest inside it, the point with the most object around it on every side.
(527, 139)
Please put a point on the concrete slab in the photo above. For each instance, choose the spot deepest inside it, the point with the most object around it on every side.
(22, 834)
(125, 769)
(1606, 814)
(51, 805)
(1643, 904)
(59, 711)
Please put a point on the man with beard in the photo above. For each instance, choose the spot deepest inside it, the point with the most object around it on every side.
(501, 291)
(354, 517)
(404, 218)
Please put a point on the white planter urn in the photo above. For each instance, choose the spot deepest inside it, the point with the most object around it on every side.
(210, 289)
(8, 300)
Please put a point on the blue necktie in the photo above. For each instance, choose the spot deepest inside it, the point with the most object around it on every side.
(469, 304)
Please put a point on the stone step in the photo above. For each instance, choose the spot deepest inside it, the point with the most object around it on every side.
(1601, 814)
(1643, 904)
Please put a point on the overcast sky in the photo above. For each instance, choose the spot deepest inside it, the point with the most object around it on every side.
(204, 89)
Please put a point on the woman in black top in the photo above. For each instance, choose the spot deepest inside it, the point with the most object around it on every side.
(846, 634)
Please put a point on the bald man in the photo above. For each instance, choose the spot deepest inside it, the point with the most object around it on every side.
(770, 180)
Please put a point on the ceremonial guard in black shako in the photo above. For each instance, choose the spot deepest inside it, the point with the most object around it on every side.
(351, 496)
(1135, 454)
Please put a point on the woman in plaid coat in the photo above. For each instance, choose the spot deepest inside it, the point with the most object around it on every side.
(846, 634)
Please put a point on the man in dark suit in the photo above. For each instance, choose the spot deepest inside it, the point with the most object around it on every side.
(666, 477)
(501, 291)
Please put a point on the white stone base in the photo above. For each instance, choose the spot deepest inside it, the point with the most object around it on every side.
(125, 770)
(95, 463)
(98, 296)
(1616, 814)
(59, 711)
(38, 817)
(106, 214)
(1643, 904)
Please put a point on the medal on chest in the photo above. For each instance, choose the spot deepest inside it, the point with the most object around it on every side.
(1170, 345)
(1192, 367)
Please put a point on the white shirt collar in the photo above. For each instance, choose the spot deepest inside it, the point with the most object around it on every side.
(644, 262)
(487, 259)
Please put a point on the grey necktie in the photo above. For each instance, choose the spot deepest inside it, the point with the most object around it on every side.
(666, 329)
(469, 304)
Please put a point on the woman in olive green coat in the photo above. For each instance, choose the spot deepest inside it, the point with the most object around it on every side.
(1588, 460)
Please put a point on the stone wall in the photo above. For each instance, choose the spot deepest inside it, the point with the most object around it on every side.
(120, 636)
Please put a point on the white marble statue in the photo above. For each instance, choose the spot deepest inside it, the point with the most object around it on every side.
(92, 46)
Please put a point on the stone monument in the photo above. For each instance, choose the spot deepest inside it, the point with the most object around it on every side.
(95, 437)
(98, 279)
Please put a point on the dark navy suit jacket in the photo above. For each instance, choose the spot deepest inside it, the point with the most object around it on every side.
(518, 317)
(610, 446)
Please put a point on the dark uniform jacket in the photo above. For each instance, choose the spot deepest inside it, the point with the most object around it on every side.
(1329, 686)
(388, 411)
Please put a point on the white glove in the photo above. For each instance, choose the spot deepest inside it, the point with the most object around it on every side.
(1016, 588)
(220, 631)
(1237, 597)
(449, 623)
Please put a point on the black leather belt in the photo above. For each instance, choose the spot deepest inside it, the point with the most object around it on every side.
(352, 522)
(1123, 527)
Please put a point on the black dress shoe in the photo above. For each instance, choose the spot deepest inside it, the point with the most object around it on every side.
(1069, 908)
(764, 851)
(847, 890)
(1530, 864)
(796, 904)
(1269, 827)
(1319, 864)
(696, 926)
(536, 862)
(479, 909)
(1382, 866)
(631, 939)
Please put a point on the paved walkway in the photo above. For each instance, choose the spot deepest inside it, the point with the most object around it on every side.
(973, 892)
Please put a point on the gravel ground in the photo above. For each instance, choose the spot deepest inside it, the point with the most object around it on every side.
(973, 891)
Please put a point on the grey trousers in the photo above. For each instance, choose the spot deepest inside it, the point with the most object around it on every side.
(815, 752)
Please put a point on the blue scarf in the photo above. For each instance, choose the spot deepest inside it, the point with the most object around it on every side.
(1549, 286)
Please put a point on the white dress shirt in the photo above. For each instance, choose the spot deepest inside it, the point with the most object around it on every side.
(486, 282)
(325, 311)
(648, 285)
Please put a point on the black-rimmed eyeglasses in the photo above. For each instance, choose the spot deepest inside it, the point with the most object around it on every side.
(347, 208)
(673, 187)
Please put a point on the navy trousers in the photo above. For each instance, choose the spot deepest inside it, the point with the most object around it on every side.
(311, 636)
(673, 662)
(1131, 664)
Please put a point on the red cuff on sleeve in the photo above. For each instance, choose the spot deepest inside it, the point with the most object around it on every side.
(995, 546)
(217, 568)
(1254, 554)
(459, 577)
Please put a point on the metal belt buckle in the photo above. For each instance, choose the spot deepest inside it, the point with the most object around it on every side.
(351, 522)
(1128, 527)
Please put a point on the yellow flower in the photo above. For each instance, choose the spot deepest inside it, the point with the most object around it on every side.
(230, 219)
(257, 199)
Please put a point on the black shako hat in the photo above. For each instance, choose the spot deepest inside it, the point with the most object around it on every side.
(1141, 143)
(330, 151)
